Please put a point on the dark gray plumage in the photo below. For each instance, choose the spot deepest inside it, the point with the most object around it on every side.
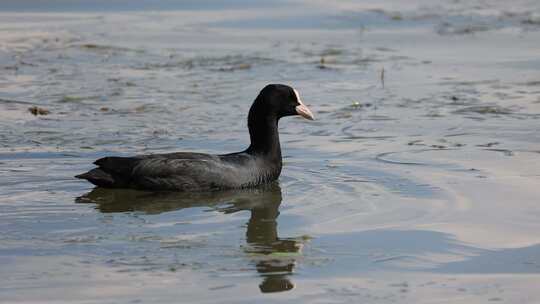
(185, 171)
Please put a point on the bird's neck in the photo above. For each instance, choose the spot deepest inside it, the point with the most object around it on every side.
(264, 137)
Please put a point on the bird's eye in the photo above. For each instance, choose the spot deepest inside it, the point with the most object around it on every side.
(292, 96)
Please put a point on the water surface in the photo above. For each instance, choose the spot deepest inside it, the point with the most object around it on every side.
(418, 182)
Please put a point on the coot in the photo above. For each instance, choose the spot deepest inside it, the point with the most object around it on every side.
(186, 171)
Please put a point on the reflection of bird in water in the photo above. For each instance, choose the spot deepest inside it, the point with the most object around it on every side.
(263, 239)
(274, 257)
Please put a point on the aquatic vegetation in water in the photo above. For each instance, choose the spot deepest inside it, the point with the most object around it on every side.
(486, 109)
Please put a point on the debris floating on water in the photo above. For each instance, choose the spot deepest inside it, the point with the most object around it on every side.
(35, 110)
(232, 68)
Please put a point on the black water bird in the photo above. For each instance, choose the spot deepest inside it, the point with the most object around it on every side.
(186, 171)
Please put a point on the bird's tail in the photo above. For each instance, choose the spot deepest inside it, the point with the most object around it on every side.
(98, 177)
(112, 172)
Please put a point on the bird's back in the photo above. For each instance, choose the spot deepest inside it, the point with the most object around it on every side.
(183, 171)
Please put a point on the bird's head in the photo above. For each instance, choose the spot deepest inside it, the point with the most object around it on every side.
(279, 100)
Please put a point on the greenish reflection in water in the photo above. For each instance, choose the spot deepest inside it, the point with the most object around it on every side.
(274, 257)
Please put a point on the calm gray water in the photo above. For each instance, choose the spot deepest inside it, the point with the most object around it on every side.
(417, 183)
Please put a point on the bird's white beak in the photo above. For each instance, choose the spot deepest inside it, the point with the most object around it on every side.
(302, 109)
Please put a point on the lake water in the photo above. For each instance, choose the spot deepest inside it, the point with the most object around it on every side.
(417, 183)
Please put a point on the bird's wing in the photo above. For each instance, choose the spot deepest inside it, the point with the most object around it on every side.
(118, 166)
(182, 174)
